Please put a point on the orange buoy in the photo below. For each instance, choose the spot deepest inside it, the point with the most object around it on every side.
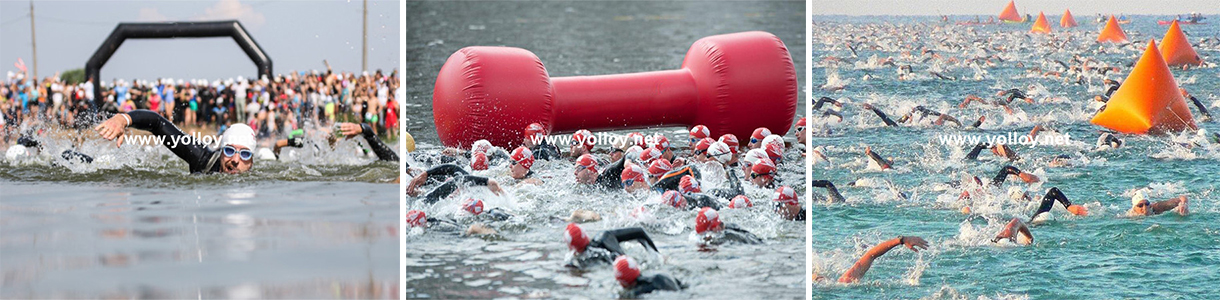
(1148, 100)
(1041, 25)
(1112, 33)
(1176, 49)
(1010, 13)
(1067, 21)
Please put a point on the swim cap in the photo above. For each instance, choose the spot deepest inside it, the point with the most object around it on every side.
(523, 156)
(659, 167)
(633, 152)
(473, 206)
(15, 152)
(1139, 197)
(774, 152)
(481, 146)
(759, 134)
(800, 123)
(731, 140)
(741, 201)
(699, 132)
(239, 135)
(478, 161)
(583, 137)
(410, 140)
(632, 174)
(673, 198)
(755, 155)
(576, 238)
(688, 185)
(764, 166)
(636, 139)
(708, 219)
(659, 141)
(587, 161)
(786, 195)
(721, 152)
(647, 155)
(703, 144)
(626, 270)
(416, 218)
(535, 131)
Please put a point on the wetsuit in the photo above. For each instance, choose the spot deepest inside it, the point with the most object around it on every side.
(835, 196)
(604, 247)
(382, 151)
(1014, 94)
(1003, 175)
(656, 282)
(818, 105)
(924, 112)
(1113, 88)
(880, 161)
(200, 159)
(884, 118)
(1048, 202)
(1109, 139)
(455, 175)
(1202, 108)
(734, 233)
(671, 179)
(68, 154)
(612, 177)
(545, 151)
(438, 224)
(974, 153)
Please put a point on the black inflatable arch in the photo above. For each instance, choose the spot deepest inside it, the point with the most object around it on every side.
(171, 30)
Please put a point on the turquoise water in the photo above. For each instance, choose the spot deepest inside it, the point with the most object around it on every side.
(1104, 255)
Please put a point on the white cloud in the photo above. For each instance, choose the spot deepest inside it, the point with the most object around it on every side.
(152, 15)
(232, 10)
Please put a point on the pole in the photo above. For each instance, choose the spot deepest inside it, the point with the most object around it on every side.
(364, 41)
(33, 45)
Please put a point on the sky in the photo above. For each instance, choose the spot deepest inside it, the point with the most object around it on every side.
(297, 35)
(992, 7)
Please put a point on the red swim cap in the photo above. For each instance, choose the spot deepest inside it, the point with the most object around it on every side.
(741, 201)
(649, 154)
(586, 160)
(731, 140)
(763, 166)
(786, 195)
(688, 185)
(672, 198)
(659, 167)
(699, 132)
(534, 129)
(774, 151)
(636, 138)
(473, 206)
(523, 156)
(800, 123)
(708, 219)
(416, 218)
(759, 134)
(478, 161)
(626, 271)
(576, 238)
(632, 174)
(703, 144)
(583, 137)
(659, 141)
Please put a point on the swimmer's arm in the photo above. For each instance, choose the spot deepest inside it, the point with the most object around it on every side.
(866, 262)
(835, 196)
(1013, 228)
(974, 153)
(383, 152)
(186, 148)
(1171, 204)
(632, 234)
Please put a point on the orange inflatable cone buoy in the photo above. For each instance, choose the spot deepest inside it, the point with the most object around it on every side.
(1112, 33)
(1176, 49)
(1010, 13)
(1041, 25)
(1148, 100)
(1067, 21)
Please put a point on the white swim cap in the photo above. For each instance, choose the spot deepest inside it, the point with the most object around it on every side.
(239, 135)
(721, 152)
(1138, 197)
(15, 152)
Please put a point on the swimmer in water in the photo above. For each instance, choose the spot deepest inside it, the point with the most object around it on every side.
(711, 231)
(1001, 150)
(235, 155)
(582, 143)
(1011, 170)
(417, 218)
(881, 163)
(1108, 140)
(69, 155)
(756, 138)
(762, 173)
(924, 112)
(831, 190)
(450, 176)
(880, 114)
(1140, 206)
(1048, 202)
(535, 139)
(604, 247)
(627, 272)
(1016, 232)
(1207, 116)
(865, 262)
(698, 133)
(788, 205)
(348, 130)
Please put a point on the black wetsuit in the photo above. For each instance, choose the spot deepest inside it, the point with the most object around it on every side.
(734, 233)
(1003, 175)
(612, 177)
(1202, 109)
(924, 112)
(545, 151)
(379, 148)
(974, 153)
(1110, 139)
(884, 118)
(671, 179)
(606, 246)
(200, 159)
(68, 154)
(1048, 202)
(830, 189)
(450, 175)
(1014, 94)
(884, 163)
(656, 282)
(818, 105)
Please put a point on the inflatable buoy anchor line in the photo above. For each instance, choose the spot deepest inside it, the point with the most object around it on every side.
(1148, 102)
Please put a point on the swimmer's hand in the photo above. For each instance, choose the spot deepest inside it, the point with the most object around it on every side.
(480, 229)
(349, 129)
(1181, 209)
(114, 129)
(1027, 177)
(495, 187)
(914, 243)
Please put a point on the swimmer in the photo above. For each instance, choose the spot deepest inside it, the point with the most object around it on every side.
(758, 136)
(348, 130)
(1048, 202)
(235, 155)
(762, 173)
(1016, 231)
(1001, 150)
(627, 272)
(69, 155)
(660, 142)
(535, 139)
(1014, 94)
(734, 146)
(1140, 206)
(634, 178)
(603, 248)
(417, 218)
(788, 205)
(1108, 140)
(857, 270)
(831, 190)
(821, 101)
(1207, 116)
(800, 134)
(712, 231)
(880, 114)
(881, 163)
(582, 143)
(1011, 170)
(697, 133)
(450, 176)
(924, 112)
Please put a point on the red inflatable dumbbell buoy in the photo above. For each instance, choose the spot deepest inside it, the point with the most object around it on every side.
(733, 83)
